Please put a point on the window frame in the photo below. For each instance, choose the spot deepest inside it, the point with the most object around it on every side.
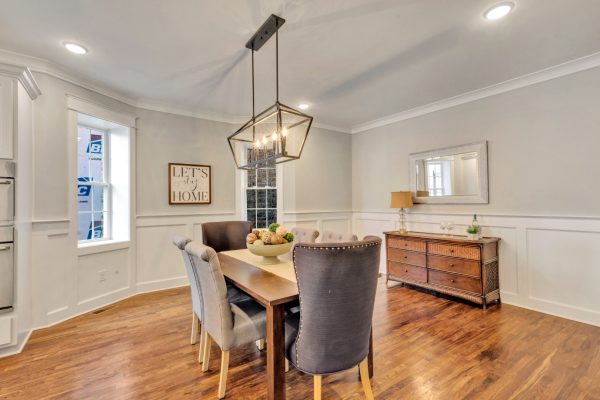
(256, 188)
(107, 193)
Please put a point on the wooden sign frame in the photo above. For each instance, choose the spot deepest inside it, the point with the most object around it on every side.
(195, 174)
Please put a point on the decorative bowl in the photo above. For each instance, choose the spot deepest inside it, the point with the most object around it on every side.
(269, 252)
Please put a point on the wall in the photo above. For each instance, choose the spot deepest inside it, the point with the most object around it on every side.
(543, 142)
(64, 278)
(324, 169)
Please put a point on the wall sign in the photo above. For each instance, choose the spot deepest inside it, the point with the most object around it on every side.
(189, 184)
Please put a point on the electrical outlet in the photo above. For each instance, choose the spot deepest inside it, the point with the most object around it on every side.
(102, 275)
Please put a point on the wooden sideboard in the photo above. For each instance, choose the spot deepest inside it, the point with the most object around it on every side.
(452, 265)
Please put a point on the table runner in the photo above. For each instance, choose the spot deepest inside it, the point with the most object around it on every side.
(284, 269)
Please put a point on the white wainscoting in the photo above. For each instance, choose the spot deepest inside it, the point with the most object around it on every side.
(159, 262)
(65, 283)
(548, 264)
(336, 221)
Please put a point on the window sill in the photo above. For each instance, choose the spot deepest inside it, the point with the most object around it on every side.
(85, 249)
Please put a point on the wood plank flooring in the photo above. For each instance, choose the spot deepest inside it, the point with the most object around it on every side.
(425, 348)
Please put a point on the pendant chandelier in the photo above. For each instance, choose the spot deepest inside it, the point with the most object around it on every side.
(277, 134)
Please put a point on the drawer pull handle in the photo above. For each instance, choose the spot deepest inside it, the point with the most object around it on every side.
(451, 250)
(405, 270)
(452, 280)
(405, 256)
(5, 182)
(4, 248)
(452, 265)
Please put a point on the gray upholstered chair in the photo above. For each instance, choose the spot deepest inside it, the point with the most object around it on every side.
(304, 235)
(338, 237)
(337, 286)
(229, 325)
(233, 295)
(226, 235)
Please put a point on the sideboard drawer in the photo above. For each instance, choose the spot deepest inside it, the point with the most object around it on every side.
(470, 252)
(452, 264)
(406, 271)
(407, 257)
(455, 281)
(413, 245)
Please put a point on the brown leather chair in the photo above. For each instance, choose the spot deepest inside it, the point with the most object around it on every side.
(337, 285)
(226, 235)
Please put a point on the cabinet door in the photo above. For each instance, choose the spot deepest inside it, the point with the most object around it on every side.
(6, 117)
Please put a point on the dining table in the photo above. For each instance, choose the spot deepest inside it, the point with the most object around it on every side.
(274, 286)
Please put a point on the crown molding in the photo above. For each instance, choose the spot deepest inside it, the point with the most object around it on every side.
(21, 67)
(557, 71)
(23, 75)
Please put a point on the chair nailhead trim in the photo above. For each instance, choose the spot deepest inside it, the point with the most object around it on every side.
(356, 246)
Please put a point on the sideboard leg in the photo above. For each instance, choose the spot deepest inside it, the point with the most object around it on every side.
(484, 305)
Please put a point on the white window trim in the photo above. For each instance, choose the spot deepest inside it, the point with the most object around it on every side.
(241, 195)
(106, 224)
(75, 106)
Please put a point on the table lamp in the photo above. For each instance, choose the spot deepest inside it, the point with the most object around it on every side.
(402, 200)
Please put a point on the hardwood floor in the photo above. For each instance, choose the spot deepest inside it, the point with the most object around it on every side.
(425, 348)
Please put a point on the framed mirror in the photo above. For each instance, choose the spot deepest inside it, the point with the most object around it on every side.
(454, 175)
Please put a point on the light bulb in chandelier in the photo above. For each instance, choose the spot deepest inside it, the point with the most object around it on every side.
(257, 144)
(275, 136)
(284, 132)
(264, 140)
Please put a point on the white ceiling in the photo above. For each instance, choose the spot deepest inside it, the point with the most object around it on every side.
(353, 60)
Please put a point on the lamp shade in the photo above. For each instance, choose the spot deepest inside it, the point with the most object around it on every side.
(401, 200)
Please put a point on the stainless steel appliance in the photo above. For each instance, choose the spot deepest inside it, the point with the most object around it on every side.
(7, 213)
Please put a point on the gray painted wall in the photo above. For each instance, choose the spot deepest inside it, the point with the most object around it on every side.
(163, 138)
(320, 180)
(50, 143)
(543, 150)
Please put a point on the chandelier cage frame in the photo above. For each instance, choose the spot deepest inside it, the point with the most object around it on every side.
(278, 133)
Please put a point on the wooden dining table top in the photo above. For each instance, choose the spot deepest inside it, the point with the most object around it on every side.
(265, 287)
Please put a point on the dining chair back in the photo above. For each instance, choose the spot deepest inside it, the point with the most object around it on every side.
(304, 235)
(226, 235)
(338, 237)
(337, 286)
(180, 242)
(229, 324)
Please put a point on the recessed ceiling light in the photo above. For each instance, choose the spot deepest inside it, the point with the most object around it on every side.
(75, 48)
(499, 11)
(303, 106)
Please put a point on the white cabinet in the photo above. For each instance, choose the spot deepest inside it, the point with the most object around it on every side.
(6, 116)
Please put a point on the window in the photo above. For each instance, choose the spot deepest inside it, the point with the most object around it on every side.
(93, 186)
(434, 179)
(439, 177)
(261, 196)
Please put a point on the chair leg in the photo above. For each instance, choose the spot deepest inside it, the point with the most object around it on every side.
(206, 351)
(364, 377)
(195, 325)
(201, 347)
(318, 381)
(260, 344)
(223, 376)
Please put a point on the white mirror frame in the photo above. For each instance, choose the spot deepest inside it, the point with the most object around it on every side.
(482, 198)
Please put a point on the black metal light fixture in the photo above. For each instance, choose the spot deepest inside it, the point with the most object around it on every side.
(277, 134)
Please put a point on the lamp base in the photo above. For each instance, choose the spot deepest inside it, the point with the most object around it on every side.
(403, 231)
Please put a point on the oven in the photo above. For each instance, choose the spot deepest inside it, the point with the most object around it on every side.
(7, 213)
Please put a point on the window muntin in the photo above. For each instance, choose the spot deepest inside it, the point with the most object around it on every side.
(93, 187)
(261, 195)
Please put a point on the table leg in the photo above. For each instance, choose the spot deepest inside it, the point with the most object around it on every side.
(275, 353)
